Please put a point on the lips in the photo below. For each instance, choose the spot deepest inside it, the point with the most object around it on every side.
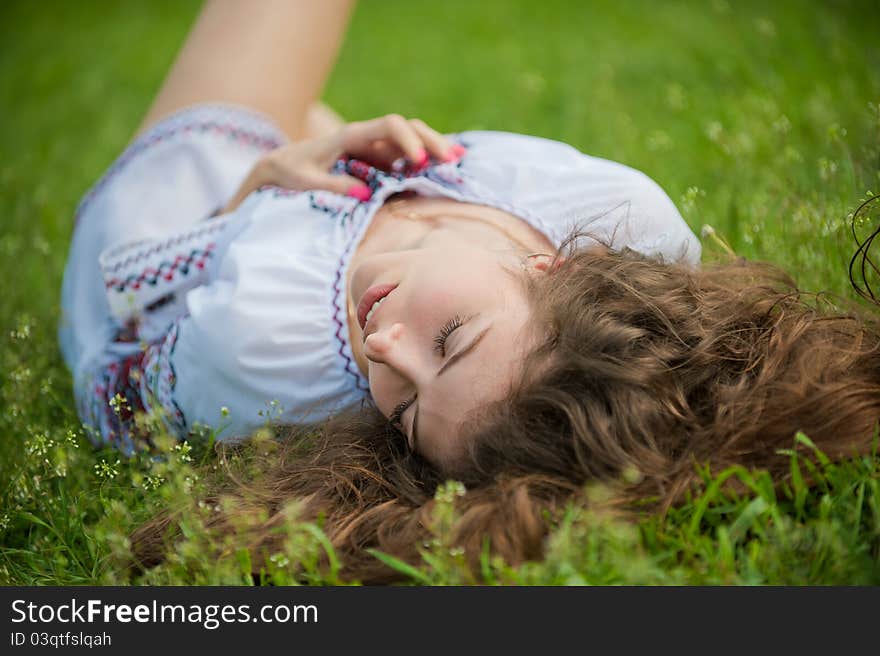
(373, 294)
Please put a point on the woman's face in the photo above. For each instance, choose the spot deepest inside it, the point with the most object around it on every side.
(447, 339)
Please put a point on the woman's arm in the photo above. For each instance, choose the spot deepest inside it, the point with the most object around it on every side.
(273, 56)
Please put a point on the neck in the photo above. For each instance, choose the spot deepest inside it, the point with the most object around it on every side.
(407, 222)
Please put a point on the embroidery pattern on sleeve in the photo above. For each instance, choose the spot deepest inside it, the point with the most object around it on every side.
(138, 276)
(142, 383)
(159, 380)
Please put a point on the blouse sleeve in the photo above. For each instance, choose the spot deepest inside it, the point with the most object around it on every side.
(145, 281)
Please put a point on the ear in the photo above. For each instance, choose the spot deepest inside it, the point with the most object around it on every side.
(544, 262)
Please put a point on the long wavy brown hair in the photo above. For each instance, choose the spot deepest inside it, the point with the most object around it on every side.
(644, 370)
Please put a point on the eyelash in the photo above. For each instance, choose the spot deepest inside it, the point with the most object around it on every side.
(450, 327)
(398, 411)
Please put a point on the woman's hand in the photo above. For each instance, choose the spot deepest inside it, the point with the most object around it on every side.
(380, 142)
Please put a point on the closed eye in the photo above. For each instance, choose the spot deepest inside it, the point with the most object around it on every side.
(448, 328)
(398, 411)
(456, 322)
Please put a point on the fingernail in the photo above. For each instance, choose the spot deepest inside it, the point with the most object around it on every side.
(360, 191)
(454, 153)
(421, 160)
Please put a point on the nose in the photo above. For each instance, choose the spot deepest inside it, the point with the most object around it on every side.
(393, 379)
(380, 345)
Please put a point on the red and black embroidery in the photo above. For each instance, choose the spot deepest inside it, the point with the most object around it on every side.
(140, 383)
(137, 254)
(166, 270)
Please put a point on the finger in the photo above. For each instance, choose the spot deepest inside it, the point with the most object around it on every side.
(337, 183)
(439, 146)
(392, 127)
(381, 154)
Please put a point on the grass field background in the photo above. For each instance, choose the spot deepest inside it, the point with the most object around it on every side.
(761, 120)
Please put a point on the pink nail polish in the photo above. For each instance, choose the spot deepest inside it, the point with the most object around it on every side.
(361, 192)
(453, 154)
(459, 150)
(421, 158)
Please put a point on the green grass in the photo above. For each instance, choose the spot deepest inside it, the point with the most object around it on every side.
(761, 120)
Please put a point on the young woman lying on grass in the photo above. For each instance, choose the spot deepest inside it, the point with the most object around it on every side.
(496, 308)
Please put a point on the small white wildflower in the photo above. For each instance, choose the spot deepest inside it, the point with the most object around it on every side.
(39, 445)
(20, 489)
(23, 331)
(274, 411)
(70, 439)
(280, 560)
(105, 469)
(119, 403)
(189, 482)
(689, 199)
(152, 482)
(184, 449)
(447, 493)
(20, 375)
(708, 232)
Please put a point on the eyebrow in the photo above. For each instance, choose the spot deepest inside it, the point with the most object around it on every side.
(455, 357)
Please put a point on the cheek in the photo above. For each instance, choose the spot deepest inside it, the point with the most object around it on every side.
(426, 301)
(381, 388)
(440, 301)
(450, 289)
